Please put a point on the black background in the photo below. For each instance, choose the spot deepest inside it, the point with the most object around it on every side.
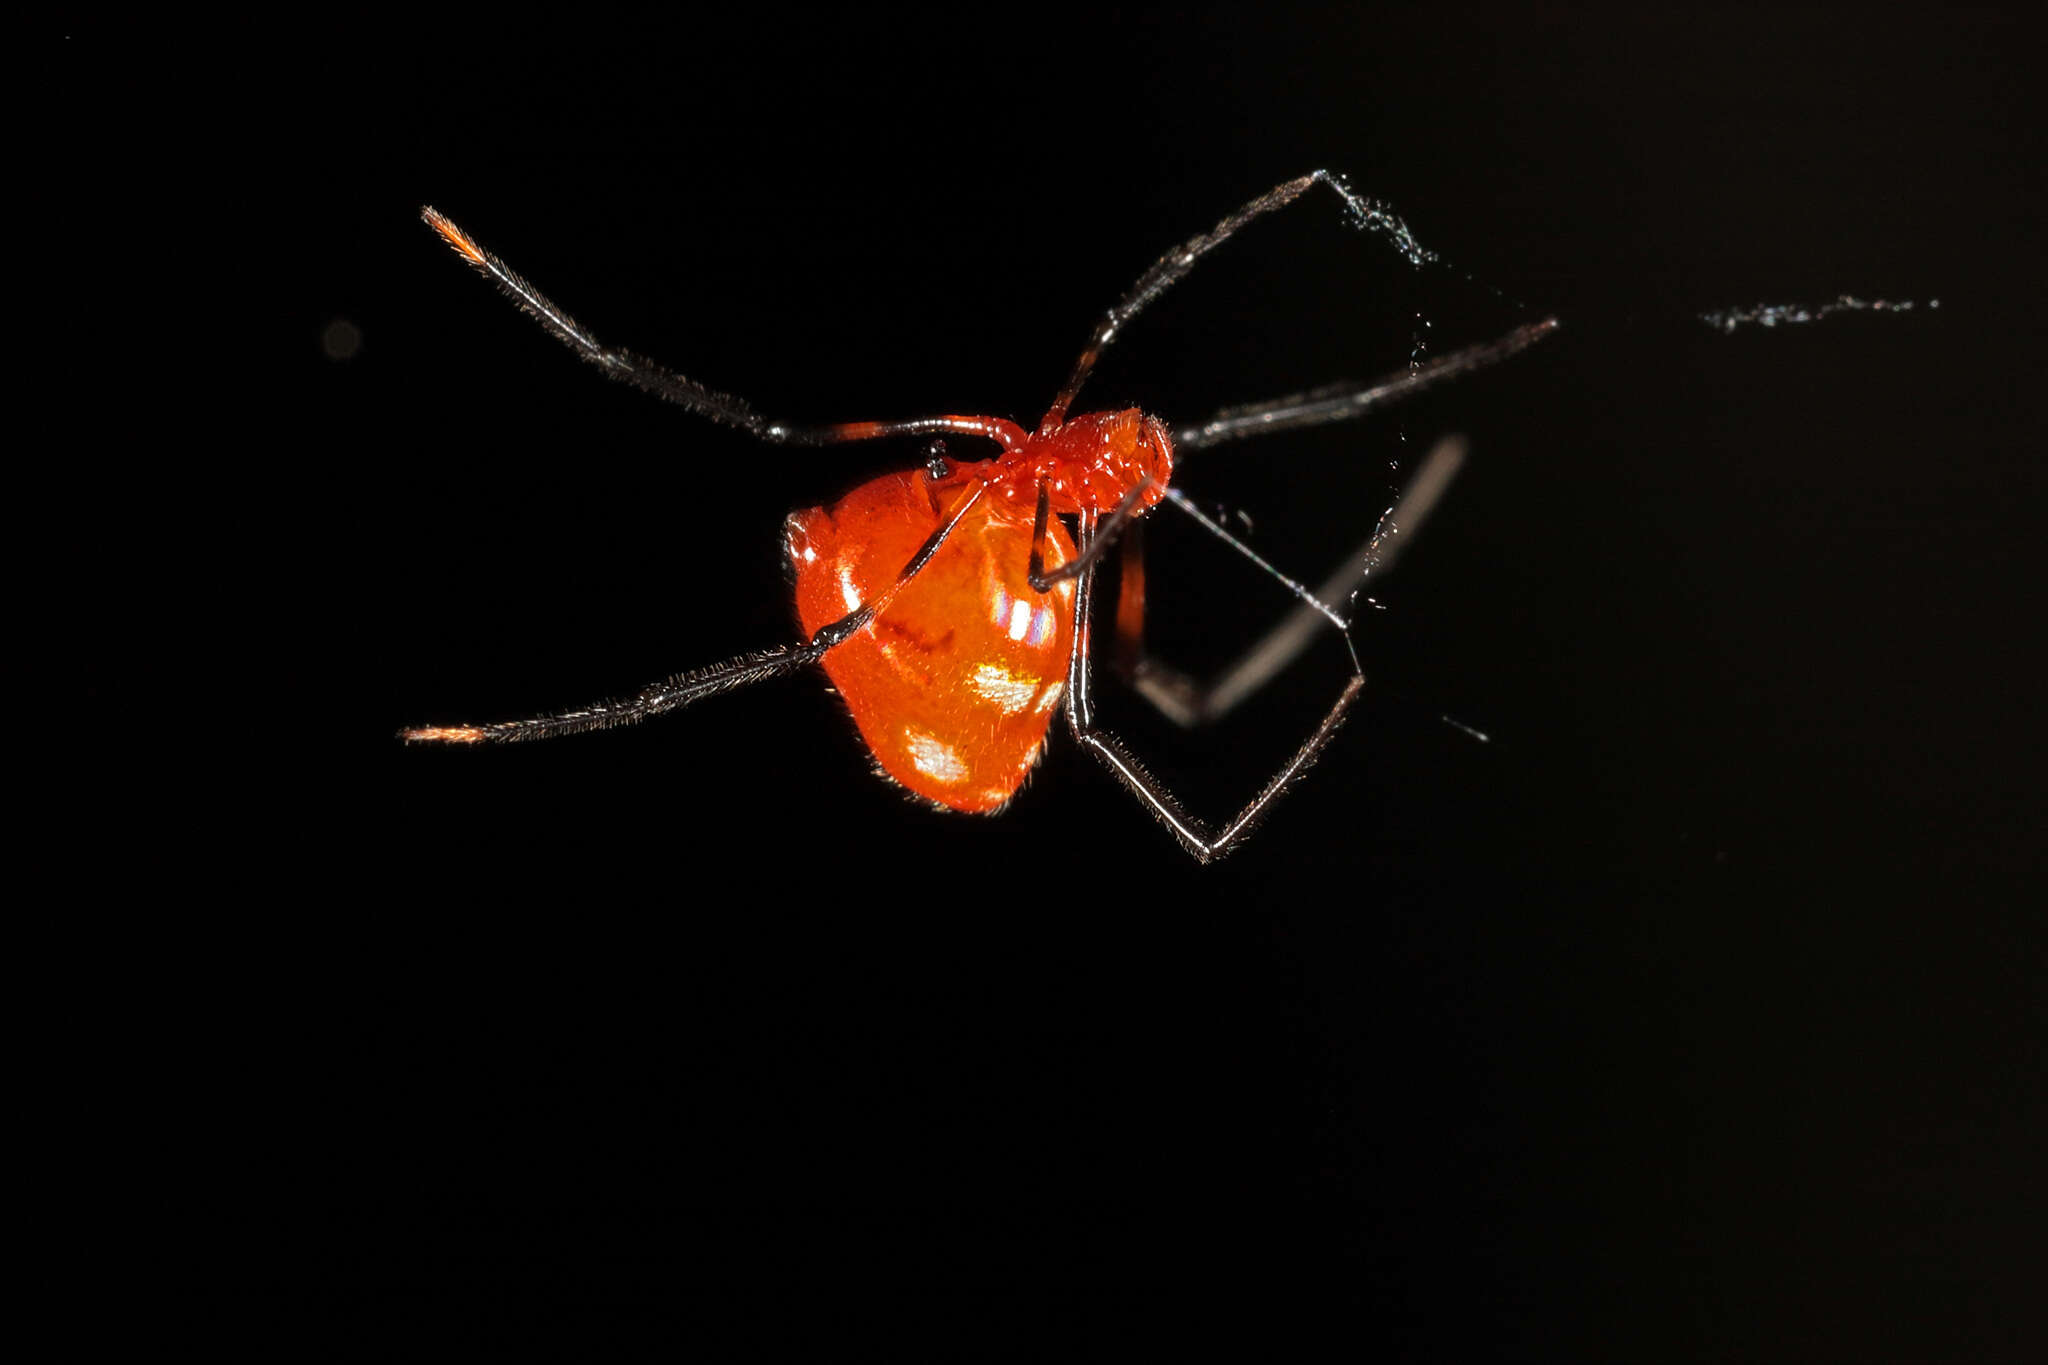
(1696, 1014)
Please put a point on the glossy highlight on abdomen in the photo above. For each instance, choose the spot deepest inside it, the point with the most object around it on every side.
(954, 683)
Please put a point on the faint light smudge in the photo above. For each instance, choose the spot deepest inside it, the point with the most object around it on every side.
(341, 339)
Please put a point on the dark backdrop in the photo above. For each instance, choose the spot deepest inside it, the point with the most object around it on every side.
(1696, 1014)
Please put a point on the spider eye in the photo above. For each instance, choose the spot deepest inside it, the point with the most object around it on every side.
(936, 465)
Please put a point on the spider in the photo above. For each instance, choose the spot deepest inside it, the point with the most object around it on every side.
(949, 604)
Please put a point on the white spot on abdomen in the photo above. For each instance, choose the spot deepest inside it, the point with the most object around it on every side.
(934, 757)
(998, 685)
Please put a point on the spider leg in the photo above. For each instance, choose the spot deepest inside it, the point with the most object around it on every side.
(684, 688)
(1190, 702)
(1344, 402)
(1168, 270)
(1128, 646)
(1126, 514)
(1193, 835)
(664, 384)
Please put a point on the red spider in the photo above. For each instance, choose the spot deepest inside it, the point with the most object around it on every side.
(952, 610)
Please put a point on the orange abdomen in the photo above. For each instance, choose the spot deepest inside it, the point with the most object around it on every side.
(954, 683)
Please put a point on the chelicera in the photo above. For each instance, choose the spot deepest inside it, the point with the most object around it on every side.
(950, 605)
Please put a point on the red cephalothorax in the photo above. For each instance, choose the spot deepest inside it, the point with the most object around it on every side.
(1092, 462)
(1088, 463)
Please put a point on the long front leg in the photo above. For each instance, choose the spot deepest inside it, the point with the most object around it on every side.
(679, 691)
(1365, 214)
(644, 374)
(1347, 402)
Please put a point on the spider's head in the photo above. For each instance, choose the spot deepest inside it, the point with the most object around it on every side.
(1144, 449)
(1092, 462)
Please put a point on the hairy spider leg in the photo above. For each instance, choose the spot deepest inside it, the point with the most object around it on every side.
(684, 688)
(1189, 702)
